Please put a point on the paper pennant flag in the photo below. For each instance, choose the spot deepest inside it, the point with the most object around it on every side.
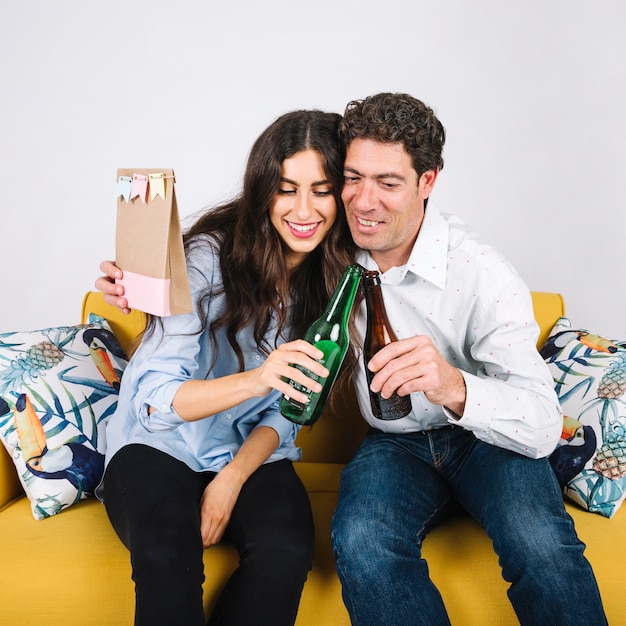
(139, 187)
(157, 186)
(124, 184)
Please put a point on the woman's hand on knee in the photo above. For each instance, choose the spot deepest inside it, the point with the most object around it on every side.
(216, 506)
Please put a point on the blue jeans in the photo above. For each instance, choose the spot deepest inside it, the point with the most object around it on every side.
(398, 486)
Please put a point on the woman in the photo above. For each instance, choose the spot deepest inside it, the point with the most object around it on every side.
(197, 449)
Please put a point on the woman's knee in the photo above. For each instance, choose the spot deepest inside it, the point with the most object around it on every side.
(287, 544)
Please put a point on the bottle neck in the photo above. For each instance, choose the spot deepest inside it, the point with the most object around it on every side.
(372, 289)
(342, 299)
(376, 312)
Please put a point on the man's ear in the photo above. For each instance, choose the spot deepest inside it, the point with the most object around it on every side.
(427, 182)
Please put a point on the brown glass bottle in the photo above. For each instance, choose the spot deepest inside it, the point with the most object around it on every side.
(378, 334)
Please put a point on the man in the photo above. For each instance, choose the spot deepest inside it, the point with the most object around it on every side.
(485, 417)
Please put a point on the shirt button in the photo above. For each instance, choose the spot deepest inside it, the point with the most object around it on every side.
(228, 415)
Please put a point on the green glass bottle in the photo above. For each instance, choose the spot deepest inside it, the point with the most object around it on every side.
(329, 333)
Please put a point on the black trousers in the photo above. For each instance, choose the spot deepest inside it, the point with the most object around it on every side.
(153, 501)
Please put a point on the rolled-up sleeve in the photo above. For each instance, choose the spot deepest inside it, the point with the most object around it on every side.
(285, 429)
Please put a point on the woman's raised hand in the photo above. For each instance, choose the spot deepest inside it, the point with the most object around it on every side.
(113, 292)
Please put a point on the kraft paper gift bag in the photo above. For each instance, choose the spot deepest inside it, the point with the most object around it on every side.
(149, 243)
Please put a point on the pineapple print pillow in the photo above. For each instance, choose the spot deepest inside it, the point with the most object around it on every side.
(589, 374)
(58, 387)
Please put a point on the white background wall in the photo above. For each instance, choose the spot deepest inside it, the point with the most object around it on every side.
(532, 94)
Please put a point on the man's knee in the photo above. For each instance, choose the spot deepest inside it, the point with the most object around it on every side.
(350, 534)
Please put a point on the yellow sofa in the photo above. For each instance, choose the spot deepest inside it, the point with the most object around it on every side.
(72, 569)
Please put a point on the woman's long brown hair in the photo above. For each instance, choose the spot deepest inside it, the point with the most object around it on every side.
(255, 281)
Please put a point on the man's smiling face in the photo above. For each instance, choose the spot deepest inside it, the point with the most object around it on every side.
(384, 200)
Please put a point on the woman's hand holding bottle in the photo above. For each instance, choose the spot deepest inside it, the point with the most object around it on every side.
(279, 368)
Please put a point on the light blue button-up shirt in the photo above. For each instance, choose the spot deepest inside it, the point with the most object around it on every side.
(176, 353)
(465, 296)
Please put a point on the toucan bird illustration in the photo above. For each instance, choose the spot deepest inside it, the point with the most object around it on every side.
(80, 465)
(557, 342)
(595, 342)
(576, 447)
(99, 340)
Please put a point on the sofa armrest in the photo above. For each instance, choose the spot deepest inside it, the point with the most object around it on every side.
(10, 487)
(126, 327)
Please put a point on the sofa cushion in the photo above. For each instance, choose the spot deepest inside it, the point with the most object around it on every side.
(589, 374)
(58, 386)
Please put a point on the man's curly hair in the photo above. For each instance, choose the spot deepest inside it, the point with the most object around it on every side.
(397, 117)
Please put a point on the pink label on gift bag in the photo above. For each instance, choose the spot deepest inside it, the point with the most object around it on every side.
(151, 295)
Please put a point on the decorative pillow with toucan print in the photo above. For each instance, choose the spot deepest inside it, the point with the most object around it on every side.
(58, 387)
(589, 373)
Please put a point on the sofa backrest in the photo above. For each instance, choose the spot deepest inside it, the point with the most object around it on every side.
(337, 434)
(548, 307)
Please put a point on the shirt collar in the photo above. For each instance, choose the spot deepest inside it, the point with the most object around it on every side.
(428, 258)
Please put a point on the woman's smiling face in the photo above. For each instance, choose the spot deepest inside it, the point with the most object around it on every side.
(303, 208)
